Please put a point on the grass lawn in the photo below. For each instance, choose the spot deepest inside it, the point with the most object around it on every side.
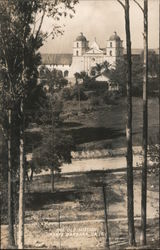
(103, 126)
(73, 216)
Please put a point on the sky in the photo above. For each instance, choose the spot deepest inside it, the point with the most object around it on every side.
(99, 19)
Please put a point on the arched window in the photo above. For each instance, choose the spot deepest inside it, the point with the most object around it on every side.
(77, 52)
(66, 73)
(110, 52)
(111, 44)
(77, 45)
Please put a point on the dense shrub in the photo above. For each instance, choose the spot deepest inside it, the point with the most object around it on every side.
(69, 94)
(93, 85)
(153, 87)
(66, 94)
(95, 101)
(76, 92)
(111, 97)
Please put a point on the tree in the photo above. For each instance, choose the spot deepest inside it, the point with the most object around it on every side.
(56, 146)
(18, 48)
(99, 69)
(118, 75)
(7, 123)
(55, 149)
(130, 196)
(145, 124)
(152, 64)
(78, 77)
(52, 77)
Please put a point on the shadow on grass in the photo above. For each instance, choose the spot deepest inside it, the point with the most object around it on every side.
(39, 201)
(83, 135)
(71, 124)
(36, 201)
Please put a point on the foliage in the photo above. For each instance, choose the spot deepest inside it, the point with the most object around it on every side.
(55, 147)
(52, 78)
(99, 69)
(154, 154)
(137, 76)
(19, 61)
(118, 75)
(76, 92)
(82, 76)
(152, 63)
(95, 101)
(54, 150)
(66, 94)
(99, 87)
(20, 40)
(110, 97)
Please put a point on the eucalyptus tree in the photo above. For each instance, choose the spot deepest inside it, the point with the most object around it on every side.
(130, 194)
(145, 124)
(18, 47)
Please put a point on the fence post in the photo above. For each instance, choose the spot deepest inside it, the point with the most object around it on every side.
(106, 216)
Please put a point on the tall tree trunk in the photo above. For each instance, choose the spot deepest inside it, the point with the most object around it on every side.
(159, 121)
(130, 195)
(31, 176)
(11, 240)
(53, 148)
(52, 179)
(21, 186)
(145, 128)
(79, 98)
(106, 216)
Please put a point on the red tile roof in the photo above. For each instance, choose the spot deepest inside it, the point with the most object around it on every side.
(66, 59)
(56, 59)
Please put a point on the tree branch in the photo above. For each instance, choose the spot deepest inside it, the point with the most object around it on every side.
(34, 25)
(7, 66)
(121, 3)
(139, 5)
(40, 25)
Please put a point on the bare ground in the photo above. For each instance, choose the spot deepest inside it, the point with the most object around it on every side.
(73, 216)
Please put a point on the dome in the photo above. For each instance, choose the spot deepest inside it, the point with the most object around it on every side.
(114, 37)
(81, 38)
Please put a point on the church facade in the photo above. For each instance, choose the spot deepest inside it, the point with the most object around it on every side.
(85, 56)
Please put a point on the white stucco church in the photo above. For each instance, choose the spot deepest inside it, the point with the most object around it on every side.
(85, 55)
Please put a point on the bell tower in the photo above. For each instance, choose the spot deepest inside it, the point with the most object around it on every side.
(80, 45)
(114, 48)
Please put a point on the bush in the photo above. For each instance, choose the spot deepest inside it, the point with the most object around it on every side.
(110, 97)
(76, 92)
(100, 86)
(66, 94)
(95, 101)
(153, 87)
